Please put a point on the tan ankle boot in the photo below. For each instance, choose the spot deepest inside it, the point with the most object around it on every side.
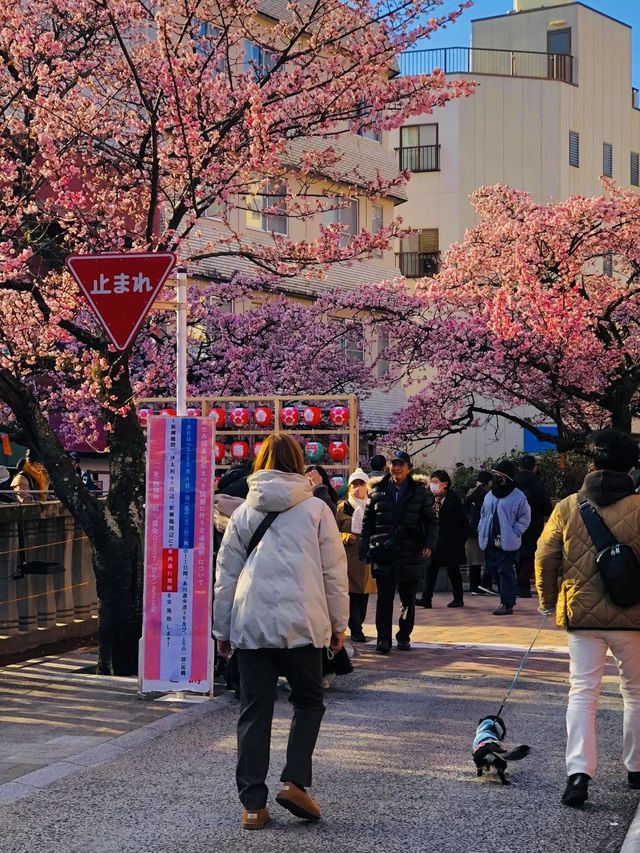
(298, 802)
(255, 818)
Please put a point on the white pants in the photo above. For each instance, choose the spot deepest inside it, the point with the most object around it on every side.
(587, 651)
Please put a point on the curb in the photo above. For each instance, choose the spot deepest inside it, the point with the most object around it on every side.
(631, 842)
(37, 780)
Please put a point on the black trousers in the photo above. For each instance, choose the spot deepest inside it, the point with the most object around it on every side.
(259, 670)
(357, 611)
(384, 608)
(431, 576)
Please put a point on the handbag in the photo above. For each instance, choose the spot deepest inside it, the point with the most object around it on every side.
(617, 563)
(336, 663)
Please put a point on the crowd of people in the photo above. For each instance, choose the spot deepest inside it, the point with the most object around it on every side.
(295, 568)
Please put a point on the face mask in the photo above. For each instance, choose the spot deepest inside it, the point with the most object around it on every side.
(435, 488)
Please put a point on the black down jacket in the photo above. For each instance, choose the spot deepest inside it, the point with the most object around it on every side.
(418, 522)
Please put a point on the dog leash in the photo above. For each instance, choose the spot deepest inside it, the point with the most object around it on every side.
(522, 662)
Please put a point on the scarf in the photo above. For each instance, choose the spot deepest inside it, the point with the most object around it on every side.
(357, 518)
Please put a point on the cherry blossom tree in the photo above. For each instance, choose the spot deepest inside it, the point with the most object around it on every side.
(121, 123)
(533, 319)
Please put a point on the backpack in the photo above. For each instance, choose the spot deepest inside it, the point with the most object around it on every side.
(617, 563)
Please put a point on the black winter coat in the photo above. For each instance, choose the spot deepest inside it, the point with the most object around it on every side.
(453, 532)
(540, 504)
(419, 527)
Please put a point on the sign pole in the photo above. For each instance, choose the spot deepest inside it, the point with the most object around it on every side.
(182, 308)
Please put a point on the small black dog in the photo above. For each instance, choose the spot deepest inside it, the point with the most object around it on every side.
(489, 752)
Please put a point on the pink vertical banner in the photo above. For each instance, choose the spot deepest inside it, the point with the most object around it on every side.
(151, 630)
(176, 646)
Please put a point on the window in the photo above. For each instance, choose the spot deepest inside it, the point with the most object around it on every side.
(419, 254)
(346, 215)
(258, 59)
(207, 44)
(377, 223)
(635, 169)
(607, 159)
(559, 55)
(419, 148)
(364, 111)
(216, 210)
(607, 264)
(383, 361)
(351, 342)
(574, 148)
(266, 208)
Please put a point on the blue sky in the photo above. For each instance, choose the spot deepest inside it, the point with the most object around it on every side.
(459, 33)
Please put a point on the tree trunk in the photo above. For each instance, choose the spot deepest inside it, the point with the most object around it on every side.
(120, 607)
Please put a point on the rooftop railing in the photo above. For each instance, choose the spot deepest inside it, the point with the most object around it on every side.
(479, 60)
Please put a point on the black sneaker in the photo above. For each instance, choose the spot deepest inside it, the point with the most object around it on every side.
(577, 790)
(424, 602)
(403, 645)
(358, 638)
(487, 590)
(524, 593)
(383, 648)
(503, 610)
(634, 779)
(455, 603)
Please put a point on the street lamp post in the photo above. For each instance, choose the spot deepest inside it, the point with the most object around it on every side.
(182, 308)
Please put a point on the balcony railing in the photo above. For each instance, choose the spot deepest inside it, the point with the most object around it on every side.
(479, 60)
(420, 158)
(418, 264)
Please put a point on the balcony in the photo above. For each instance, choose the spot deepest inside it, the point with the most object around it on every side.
(478, 60)
(420, 158)
(418, 264)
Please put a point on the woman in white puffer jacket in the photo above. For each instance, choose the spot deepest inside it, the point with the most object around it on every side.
(277, 607)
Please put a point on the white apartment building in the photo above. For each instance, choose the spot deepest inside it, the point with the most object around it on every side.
(554, 111)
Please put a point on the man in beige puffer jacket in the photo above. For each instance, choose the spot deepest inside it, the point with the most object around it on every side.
(568, 580)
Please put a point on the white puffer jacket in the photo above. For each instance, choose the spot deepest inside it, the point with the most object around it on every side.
(293, 589)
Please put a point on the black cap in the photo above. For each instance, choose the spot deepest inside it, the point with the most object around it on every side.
(506, 468)
(401, 456)
(484, 477)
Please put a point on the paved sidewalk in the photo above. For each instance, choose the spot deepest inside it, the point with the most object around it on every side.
(106, 771)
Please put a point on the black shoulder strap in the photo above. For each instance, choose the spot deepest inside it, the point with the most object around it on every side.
(261, 529)
(600, 534)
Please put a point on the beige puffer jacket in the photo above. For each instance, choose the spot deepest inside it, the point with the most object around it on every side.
(566, 574)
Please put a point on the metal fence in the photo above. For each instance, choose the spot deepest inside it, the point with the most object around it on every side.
(420, 158)
(418, 264)
(478, 60)
(43, 607)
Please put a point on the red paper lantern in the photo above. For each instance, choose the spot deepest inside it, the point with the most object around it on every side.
(339, 415)
(219, 451)
(312, 416)
(290, 416)
(143, 414)
(337, 451)
(239, 416)
(240, 450)
(257, 447)
(263, 416)
(219, 415)
(193, 413)
(168, 413)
